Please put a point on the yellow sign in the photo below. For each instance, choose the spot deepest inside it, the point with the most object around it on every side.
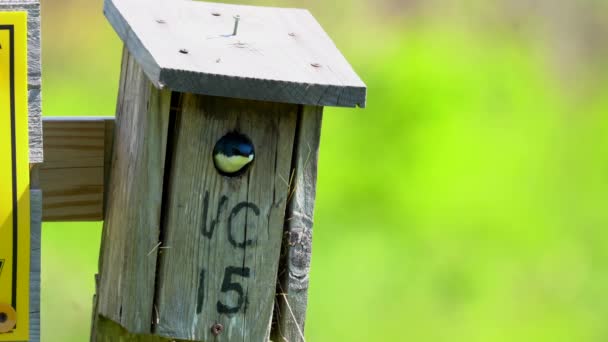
(14, 179)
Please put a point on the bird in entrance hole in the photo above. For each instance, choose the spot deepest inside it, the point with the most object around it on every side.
(233, 153)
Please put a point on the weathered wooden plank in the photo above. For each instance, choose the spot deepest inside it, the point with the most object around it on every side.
(292, 288)
(72, 175)
(96, 327)
(280, 55)
(32, 7)
(35, 238)
(95, 319)
(222, 235)
(132, 219)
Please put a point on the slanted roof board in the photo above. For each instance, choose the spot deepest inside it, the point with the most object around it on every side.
(279, 54)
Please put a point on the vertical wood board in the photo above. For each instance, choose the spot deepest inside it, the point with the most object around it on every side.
(35, 231)
(132, 220)
(292, 288)
(222, 235)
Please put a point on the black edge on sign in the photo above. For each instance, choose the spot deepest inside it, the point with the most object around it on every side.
(11, 32)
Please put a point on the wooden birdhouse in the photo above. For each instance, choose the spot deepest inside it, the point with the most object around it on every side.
(209, 206)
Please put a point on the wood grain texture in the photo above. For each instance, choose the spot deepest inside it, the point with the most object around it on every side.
(223, 235)
(132, 220)
(35, 238)
(32, 7)
(95, 319)
(279, 55)
(292, 288)
(72, 176)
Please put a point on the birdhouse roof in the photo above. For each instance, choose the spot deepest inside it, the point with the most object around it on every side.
(277, 54)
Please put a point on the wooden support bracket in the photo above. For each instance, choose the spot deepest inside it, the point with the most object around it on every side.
(77, 153)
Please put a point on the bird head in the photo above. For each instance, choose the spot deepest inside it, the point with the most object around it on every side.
(232, 153)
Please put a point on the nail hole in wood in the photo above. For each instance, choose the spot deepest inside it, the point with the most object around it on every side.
(217, 329)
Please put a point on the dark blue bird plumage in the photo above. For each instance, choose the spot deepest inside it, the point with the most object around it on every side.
(234, 144)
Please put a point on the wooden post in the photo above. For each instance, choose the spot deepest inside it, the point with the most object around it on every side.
(189, 253)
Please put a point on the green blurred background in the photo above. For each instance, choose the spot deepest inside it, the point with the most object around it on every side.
(468, 202)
